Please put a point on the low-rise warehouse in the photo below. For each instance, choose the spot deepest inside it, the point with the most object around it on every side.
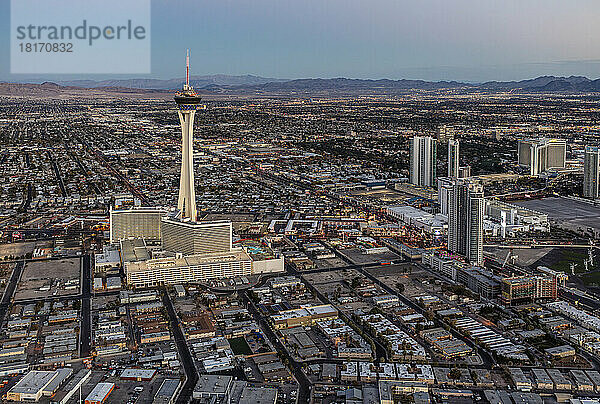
(100, 393)
(36, 384)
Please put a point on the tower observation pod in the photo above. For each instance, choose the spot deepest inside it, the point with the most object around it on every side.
(187, 102)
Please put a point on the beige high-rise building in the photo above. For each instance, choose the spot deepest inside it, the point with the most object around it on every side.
(136, 223)
(445, 133)
(192, 238)
(542, 154)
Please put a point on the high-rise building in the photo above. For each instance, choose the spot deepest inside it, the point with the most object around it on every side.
(187, 101)
(542, 154)
(465, 220)
(445, 185)
(464, 172)
(591, 172)
(445, 133)
(186, 269)
(136, 223)
(453, 158)
(192, 238)
(423, 161)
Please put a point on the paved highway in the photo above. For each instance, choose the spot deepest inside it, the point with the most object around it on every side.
(10, 289)
(86, 315)
(296, 367)
(59, 179)
(191, 373)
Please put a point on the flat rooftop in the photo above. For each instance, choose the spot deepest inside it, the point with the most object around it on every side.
(213, 384)
(258, 395)
(134, 373)
(33, 382)
(166, 391)
(567, 210)
(191, 260)
(100, 392)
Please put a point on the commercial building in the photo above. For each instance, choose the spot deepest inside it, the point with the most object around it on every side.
(445, 133)
(423, 151)
(304, 316)
(465, 220)
(36, 384)
(167, 392)
(442, 264)
(591, 172)
(136, 223)
(110, 258)
(524, 289)
(429, 223)
(99, 393)
(138, 375)
(582, 382)
(594, 377)
(490, 339)
(258, 395)
(191, 238)
(542, 380)
(561, 277)
(193, 268)
(285, 282)
(453, 158)
(514, 218)
(561, 351)
(519, 379)
(142, 271)
(542, 154)
(213, 388)
(479, 280)
(560, 381)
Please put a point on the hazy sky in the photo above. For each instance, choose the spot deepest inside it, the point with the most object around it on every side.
(469, 40)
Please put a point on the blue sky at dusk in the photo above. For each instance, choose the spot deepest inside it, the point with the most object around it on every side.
(466, 40)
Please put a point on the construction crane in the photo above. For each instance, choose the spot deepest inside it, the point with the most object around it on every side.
(510, 256)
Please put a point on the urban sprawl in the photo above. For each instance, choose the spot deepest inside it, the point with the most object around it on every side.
(425, 248)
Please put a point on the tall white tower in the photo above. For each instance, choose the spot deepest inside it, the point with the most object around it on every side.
(423, 161)
(465, 220)
(453, 158)
(187, 101)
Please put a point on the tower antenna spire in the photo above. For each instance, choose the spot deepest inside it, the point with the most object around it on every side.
(187, 102)
(187, 68)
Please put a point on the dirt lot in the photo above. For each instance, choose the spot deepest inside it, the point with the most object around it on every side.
(19, 249)
(49, 278)
(357, 257)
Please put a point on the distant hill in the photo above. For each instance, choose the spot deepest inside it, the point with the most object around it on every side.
(344, 83)
(53, 90)
(545, 83)
(223, 85)
(174, 84)
(247, 83)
